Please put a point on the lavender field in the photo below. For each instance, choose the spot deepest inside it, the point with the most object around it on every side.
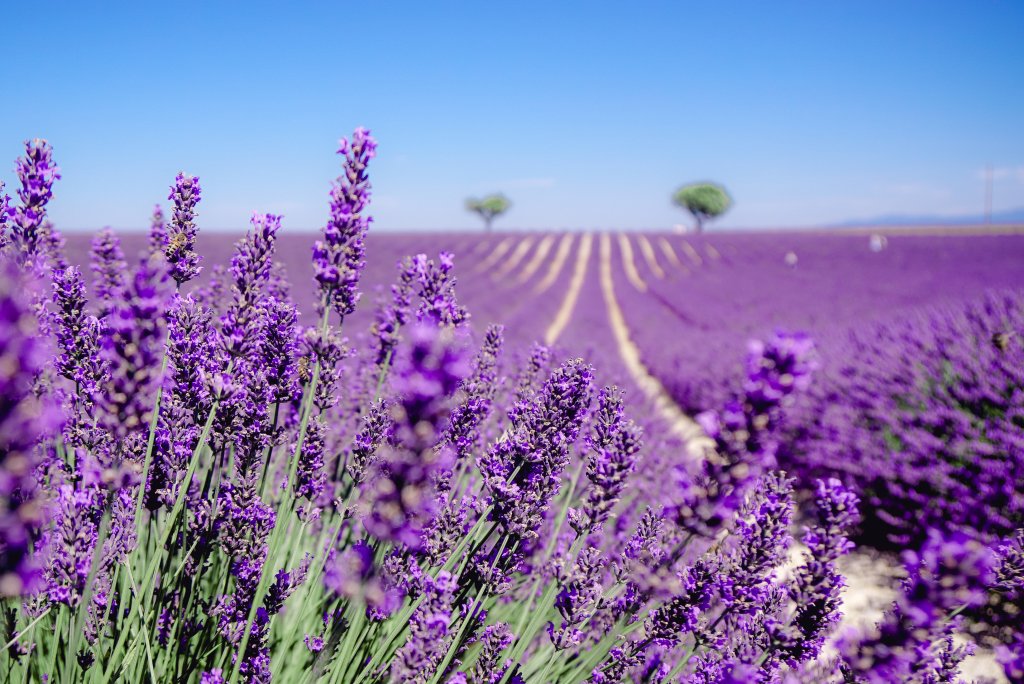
(587, 456)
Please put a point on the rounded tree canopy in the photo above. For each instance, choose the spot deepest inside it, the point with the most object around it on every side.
(703, 200)
(490, 206)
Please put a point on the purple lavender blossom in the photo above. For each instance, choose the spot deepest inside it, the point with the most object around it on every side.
(122, 538)
(186, 399)
(613, 447)
(489, 667)
(745, 432)
(244, 525)
(428, 369)
(775, 371)
(353, 574)
(251, 429)
(255, 667)
(399, 494)
(1006, 601)
(463, 432)
(948, 574)
(437, 290)
(522, 471)
(191, 354)
(533, 369)
(338, 258)
(577, 599)
(1011, 659)
(70, 546)
(157, 231)
(215, 295)
(250, 268)
(778, 368)
(245, 521)
(278, 286)
(37, 174)
(324, 353)
(71, 543)
(280, 349)
(310, 477)
(109, 269)
(5, 211)
(52, 246)
(214, 676)
(643, 554)
(762, 532)
(132, 348)
(815, 588)
(418, 659)
(376, 430)
(181, 236)
(25, 419)
(448, 528)
(78, 348)
(679, 616)
(314, 644)
(285, 584)
(391, 316)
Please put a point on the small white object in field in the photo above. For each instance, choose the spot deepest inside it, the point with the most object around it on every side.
(791, 259)
(680, 228)
(878, 242)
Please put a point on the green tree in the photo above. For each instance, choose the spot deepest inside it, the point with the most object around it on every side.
(703, 200)
(489, 207)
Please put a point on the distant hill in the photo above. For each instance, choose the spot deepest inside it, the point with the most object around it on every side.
(1006, 216)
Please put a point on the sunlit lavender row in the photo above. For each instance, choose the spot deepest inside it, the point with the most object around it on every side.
(514, 458)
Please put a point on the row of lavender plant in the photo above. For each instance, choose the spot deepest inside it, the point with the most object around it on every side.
(920, 412)
(195, 488)
(924, 415)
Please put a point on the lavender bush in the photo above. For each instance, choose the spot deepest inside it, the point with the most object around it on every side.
(924, 415)
(196, 487)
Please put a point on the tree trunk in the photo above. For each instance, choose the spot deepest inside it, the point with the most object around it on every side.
(488, 220)
(700, 223)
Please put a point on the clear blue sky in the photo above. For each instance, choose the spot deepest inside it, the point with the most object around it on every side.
(587, 114)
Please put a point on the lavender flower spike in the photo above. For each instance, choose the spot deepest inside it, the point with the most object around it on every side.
(338, 258)
(352, 574)
(522, 471)
(250, 268)
(613, 447)
(310, 476)
(108, 268)
(391, 316)
(5, 210)
(428, 640)
(437, 290)
(399, 494)
(132, 348)
(816, 584)
(24, 420)
(37, 174)
(157, 231)
(181, 238)
(947, 574)
(77, 359)
(463, 431)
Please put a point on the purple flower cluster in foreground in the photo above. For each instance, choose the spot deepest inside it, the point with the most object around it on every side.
(26, 419)
(196, 486)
